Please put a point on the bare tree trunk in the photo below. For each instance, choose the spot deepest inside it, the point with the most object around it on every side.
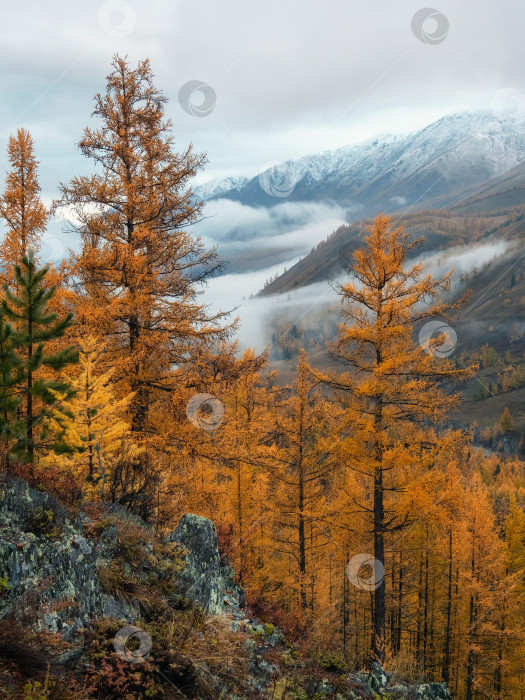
(302, 540)
(448, 629)
(425, 609)
(399, 605)
(471, 635)
(379, 543)
(240, 523)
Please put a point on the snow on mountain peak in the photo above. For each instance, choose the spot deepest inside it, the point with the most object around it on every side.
(219, 185)
(455, 142)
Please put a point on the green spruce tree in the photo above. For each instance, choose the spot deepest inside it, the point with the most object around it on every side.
(36, 328)
(11, 375)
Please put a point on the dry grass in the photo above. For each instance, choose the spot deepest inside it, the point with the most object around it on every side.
(26, 666)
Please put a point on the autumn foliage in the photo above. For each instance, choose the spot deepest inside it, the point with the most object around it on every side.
(351, 515)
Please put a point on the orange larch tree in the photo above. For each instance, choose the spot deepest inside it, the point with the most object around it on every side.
(139, 267)
(301, 468)
(21, 207)
(392, 382)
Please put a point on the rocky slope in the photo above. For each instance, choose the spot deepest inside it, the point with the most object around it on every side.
(113, 611)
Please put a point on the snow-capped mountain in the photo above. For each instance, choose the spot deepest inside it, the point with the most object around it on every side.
(429, 168)
(218, 186)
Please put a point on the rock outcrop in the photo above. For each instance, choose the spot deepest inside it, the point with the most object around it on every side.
(204, 579)
(47, 562)
(380, 684)
(46, 559)
(49, 567)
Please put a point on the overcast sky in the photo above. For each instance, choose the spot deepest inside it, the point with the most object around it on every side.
(290, 77)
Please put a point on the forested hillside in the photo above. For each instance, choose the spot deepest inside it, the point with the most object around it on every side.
(440, 229)
(355, 517)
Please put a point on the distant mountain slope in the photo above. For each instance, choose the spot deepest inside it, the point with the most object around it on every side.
(440, 230)
(503, 192)
(430, 168)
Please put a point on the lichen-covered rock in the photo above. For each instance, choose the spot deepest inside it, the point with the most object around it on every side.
(380, 684)
(430, 691)
(18, 504)
(50, 568)
(377, 679)
(203, 579)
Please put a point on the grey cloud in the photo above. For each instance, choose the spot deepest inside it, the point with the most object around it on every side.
(290, 78)
(301, 223)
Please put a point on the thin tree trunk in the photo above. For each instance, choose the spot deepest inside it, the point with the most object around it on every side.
(470, 656)
(379, 543)
(458, 630)
(471, 633)
(345, 613)
(356, 650)
(240, 523)
(312, 576)
(448, 629)
(330, 581)
(393, 611)
(302, 538)
(419, 611)
(29, 404)
(498, 681)
(431, 646)
(425, 608)
(399, 605)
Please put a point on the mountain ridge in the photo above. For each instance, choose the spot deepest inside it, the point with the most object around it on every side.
(456, 152)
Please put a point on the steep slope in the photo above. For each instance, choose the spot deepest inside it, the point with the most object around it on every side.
(440, 230)
(503, 192)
